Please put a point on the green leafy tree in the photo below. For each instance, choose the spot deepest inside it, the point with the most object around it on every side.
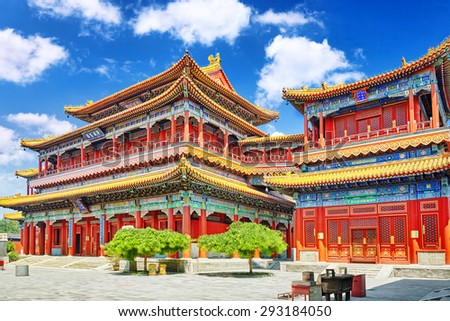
(10, 227)
(244, 238)
(10, 246)
(125, 244)
(154, 242)
(130, 243)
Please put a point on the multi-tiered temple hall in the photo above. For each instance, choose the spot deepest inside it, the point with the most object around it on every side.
(367, 181)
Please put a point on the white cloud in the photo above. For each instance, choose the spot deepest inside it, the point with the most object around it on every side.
(10, 150)
(40, 124)
(23, 60)
(289, 19)
(298, 61)
(93, 10)
(192, 21)
(272, 130)
(359, 53)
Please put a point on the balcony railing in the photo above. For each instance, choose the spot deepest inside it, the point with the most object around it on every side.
(385, 132)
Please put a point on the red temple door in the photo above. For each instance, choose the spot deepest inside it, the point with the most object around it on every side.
(309, 233)
(364, 245)
(338, 239)
(393, 239)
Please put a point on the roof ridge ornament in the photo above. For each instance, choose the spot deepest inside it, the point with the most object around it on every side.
(214, 61)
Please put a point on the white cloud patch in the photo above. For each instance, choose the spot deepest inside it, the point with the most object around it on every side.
(23, 60)
(359, 53)
(92, 10)
(10, 150)
(287, 19)
(40, 124)
(192, 21)
(299, 61)
(272, 130)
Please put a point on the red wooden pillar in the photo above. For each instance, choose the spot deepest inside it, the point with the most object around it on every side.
(138, 223)
(73, 237)
(412, 121)
(26, 239)
(305, 133)
(64, 235)
(58, 163)
(40, 167)
(321, 234)
(289, 241)
(264, 155)
(297, 232)
(82, 156)
(414, 226)
(115, 148)
(88, 237)
(202, 231)
(119, 221)
(32, 249)
(46, 166)
(186, 227)
(289, 158)
(225, 143)
(434, 107)
(48, 238)
(149, 135)
(321, 130)
(173, 128)
(155, 220)
(170, 219)
(200, 132)
(186, 126)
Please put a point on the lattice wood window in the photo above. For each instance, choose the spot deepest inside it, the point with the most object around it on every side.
(389, 208)
(309, 212)
(429, 206)
(333, 231)
(364, 222)
(336, 211)
(345, 123)
(309, 233)
(363, 209)
(399, 230)
(385, 230)
(345, 235)
(400, 115)
(430, 230)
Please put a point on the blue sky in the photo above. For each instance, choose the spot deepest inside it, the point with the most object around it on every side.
(65, 52)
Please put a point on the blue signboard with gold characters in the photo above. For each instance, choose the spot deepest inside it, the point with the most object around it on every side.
(361, 96)
(94, 134)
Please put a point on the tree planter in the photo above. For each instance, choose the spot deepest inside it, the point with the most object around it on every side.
(152, 269)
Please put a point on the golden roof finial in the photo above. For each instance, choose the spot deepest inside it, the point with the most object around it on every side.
(404, 63)
(214, 60)
(324, 85)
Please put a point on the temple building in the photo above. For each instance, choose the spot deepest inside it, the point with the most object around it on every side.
(374, 181)
(367, 181)
(169, 152)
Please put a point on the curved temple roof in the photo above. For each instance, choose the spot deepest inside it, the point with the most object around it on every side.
(307, 94)
(262, 116)
(182, 171)
(175, 91)
(363, 173)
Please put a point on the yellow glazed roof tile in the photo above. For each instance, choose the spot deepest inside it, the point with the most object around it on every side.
(363, 173)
